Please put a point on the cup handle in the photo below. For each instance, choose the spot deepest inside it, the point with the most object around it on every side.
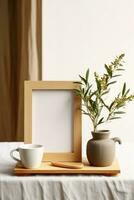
(12, 156)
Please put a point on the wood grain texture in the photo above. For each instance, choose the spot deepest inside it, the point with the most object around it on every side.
(76, 130)
(48, 168)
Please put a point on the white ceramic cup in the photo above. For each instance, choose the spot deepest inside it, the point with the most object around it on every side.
(30, 155)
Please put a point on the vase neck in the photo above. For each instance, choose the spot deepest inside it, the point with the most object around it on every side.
(100, 134)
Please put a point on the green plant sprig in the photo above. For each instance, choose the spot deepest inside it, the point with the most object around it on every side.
(93, 100)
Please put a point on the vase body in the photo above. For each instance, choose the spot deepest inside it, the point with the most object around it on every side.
(101, 149)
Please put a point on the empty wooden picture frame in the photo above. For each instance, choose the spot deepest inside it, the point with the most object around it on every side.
(52, 117)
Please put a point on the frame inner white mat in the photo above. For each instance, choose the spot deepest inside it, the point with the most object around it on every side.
(52, 120)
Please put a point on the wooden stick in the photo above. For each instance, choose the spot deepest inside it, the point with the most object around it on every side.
(68, 165)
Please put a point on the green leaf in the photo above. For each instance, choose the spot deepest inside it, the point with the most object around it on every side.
(77, 82)
(105, 92)
(84, 112)
(111, 105)
(77, 92)
(121, 105)
(112, 118)
(100, 121)
(92, 94)
(119, 112)
(83, 91)
(120, 69)
(87, 75)
(83, 79)
(91, 103)
(124, 89)
(116, 75)
(98, 85)
(109, 71)
(127, 92)
(121, 56)
(87, 90)
(104, 103)
(111, 83)
(94, 105)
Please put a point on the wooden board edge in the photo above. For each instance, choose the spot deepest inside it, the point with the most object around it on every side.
(101, 171)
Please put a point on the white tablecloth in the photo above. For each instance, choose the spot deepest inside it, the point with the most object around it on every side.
(71, 187)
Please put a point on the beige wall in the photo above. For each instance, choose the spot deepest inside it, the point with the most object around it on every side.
(82, 33)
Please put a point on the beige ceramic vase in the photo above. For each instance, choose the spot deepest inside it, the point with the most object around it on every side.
(101, 149)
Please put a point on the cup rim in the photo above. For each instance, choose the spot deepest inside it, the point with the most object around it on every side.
(30, 146)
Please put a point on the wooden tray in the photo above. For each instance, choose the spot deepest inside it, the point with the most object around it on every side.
(47, 168)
